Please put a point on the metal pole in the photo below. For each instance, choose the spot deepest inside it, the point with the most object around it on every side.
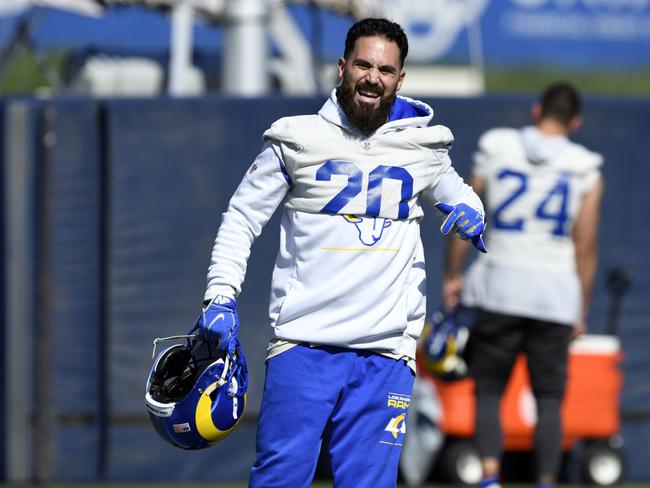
(245, 50)
(43, 432)
(103, 228)
(180, 57)
(316, 44)
(618, 283)
(475, 40)
(19, 285)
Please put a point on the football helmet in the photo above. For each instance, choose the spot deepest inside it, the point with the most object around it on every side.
(443, 344)
(196, 393)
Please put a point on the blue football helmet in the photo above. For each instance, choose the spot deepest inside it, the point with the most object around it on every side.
(196, 394)
(443, 345)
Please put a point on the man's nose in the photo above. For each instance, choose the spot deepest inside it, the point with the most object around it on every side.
(373, 76)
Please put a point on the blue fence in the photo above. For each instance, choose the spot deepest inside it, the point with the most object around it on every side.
(116, 208)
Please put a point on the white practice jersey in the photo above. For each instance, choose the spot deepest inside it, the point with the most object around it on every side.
(535, 186)
(350, 268)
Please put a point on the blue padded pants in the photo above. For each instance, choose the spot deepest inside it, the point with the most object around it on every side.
(359, 398)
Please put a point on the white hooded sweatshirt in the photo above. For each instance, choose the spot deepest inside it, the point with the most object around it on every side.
(535, 185)
(350, 268)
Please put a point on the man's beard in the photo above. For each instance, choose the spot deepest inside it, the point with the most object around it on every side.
(364, 117)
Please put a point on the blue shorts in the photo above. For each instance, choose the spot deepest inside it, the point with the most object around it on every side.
(360, 398)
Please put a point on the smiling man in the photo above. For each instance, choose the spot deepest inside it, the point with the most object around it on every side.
(371, 74)
(347, 298)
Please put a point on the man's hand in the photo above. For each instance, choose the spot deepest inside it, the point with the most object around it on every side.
(219, 323)
(579, 329)
(464, 222)
(452, 287)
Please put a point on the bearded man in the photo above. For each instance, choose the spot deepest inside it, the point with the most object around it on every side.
(347, 298)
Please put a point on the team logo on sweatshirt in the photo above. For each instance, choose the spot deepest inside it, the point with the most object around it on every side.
(370, 229)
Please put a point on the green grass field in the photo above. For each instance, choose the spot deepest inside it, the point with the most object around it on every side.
(24, 75)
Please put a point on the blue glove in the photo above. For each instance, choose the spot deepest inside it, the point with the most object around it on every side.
(464, 222)
(219, 323)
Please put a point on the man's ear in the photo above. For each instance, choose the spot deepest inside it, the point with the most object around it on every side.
(401, 80)
(341, 68)
(575, 123)
(536, 112)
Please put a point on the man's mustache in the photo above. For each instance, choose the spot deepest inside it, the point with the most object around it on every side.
(376, 90)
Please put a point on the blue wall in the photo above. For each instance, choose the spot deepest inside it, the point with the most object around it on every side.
(131, 199)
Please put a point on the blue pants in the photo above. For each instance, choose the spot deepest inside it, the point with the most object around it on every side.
(360, 397)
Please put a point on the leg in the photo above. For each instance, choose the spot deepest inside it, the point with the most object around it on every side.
(369, 423)
(494, 343)
(548, 440)
(547, 347)
(301, 388)
(489, 437)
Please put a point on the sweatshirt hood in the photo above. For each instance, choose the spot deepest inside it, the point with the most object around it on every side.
(406, 112)
(540, 147)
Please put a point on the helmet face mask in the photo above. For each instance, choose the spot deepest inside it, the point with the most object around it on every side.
(196, 395)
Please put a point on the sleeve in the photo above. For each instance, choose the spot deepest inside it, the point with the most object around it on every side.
(482, 157)
(281, 133)
(592, 172)
(435, 142)
(260, 192)
(453, 190)
(590, 179)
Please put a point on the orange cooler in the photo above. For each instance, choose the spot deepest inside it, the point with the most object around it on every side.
(590, 409)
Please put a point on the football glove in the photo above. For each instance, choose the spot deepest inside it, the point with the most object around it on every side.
(464, 222)
(219, 323)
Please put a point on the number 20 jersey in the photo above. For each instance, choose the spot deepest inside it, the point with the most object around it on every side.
(535, 184)
(350, 267)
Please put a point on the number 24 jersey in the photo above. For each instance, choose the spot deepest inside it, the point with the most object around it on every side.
(535, 185)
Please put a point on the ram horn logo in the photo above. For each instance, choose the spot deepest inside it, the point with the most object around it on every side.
(370, 228)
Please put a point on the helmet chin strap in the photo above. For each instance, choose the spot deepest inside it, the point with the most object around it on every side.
(170, 338)
(223, 378)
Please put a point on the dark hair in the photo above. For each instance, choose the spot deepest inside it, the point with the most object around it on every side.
(561, 101)
(377, 27)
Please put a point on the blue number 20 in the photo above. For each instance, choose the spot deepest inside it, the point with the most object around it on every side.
(351, 190)
(559, 191)
(375, 182)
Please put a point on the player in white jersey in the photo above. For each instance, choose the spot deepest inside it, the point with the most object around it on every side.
(542, 193)
(348, 290)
